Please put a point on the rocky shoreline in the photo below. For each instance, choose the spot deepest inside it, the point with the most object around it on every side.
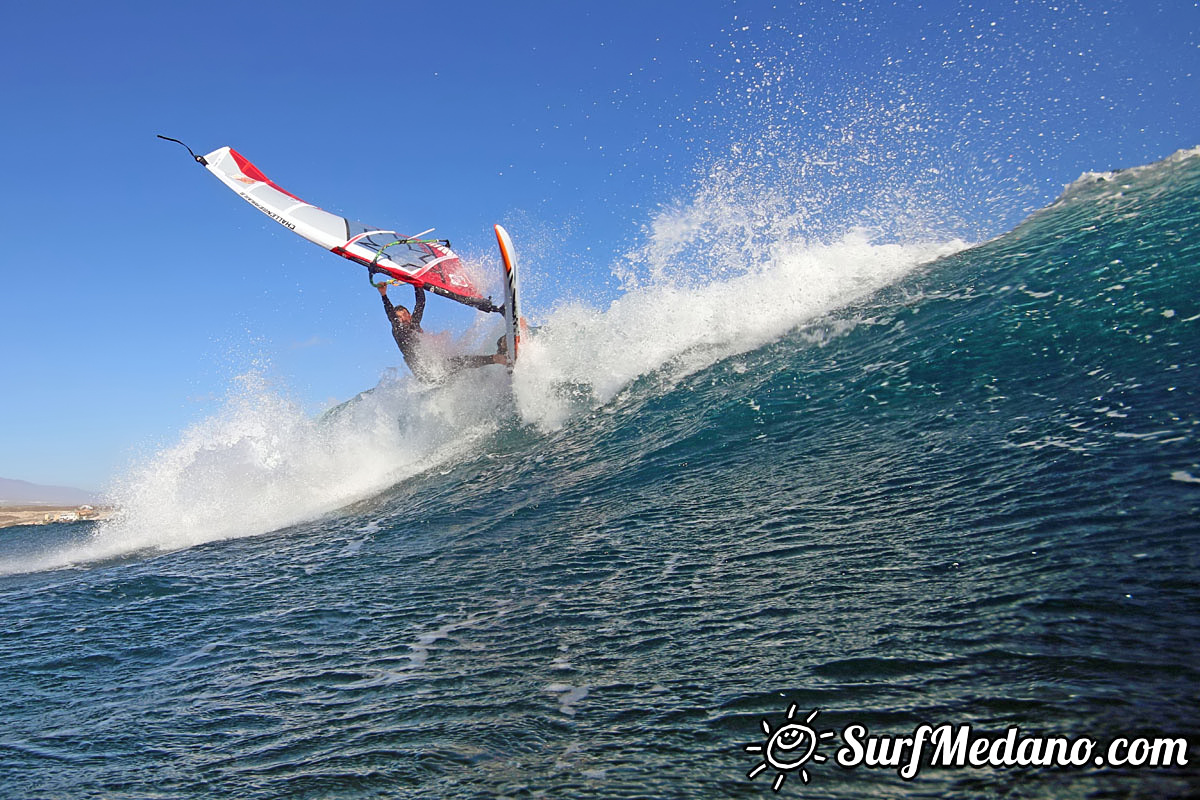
(50, 515)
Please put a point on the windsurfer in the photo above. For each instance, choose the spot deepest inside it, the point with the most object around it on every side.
(407, 331)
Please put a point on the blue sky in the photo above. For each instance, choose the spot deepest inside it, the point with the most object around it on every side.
(137, 287)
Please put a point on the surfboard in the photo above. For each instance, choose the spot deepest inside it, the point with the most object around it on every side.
(513, 323)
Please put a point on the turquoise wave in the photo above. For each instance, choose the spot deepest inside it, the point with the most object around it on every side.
(969, 495)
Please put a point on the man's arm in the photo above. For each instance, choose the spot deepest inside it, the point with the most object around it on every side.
(387, 304)
(419, 305)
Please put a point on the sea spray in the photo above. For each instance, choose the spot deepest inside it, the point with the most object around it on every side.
(687, 323)
(261, 463)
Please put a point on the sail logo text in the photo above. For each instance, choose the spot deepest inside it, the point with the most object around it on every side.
(269, 212)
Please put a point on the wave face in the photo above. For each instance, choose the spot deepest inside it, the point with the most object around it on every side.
(902, 483)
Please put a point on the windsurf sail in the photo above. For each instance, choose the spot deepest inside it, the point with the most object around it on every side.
(427, 263)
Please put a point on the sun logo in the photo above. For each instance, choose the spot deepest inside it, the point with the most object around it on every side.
(789, 748)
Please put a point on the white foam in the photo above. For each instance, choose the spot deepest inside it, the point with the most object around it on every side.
(568, 696)
(262, 464)
(680, 321)
(1089, 180)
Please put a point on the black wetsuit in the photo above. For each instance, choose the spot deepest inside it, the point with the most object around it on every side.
(408, 335)
(408, 339)
(458, 362)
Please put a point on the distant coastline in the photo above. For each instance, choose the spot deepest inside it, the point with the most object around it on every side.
(14, 492)
(45, 514)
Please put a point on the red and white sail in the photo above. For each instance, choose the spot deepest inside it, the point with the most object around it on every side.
(429, 264)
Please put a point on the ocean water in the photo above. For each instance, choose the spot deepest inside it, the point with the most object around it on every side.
(897, 483)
